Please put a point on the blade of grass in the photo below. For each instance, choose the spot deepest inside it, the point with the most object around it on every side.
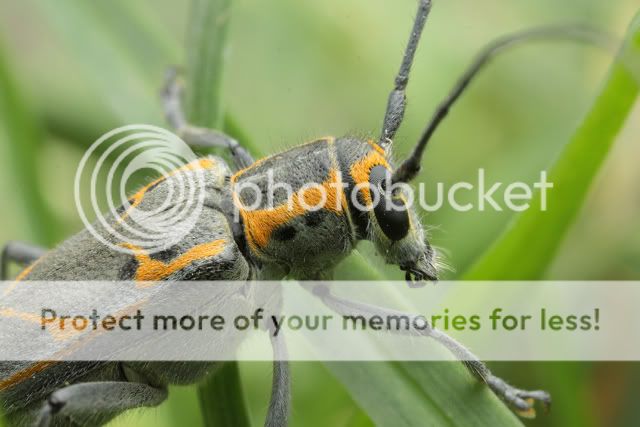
(146, 42)
(221, 396)
(24, 136)
(206, 46)
(22, 133)
(529, 245)
(106, 65)
(72, 122)
(222, 399)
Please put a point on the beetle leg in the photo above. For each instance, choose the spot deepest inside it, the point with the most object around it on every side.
(18, 252)
(520, 400)
(193, 135)
(280, 391)
(94, 403)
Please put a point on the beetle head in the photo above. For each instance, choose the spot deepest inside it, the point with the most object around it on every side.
(395, 229)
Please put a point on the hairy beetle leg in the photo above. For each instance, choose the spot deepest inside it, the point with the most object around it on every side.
(193, 135)
(20, 253)
(520, 400)
(278, 413)
(95, 403)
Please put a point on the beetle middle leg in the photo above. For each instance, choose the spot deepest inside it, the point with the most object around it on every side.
(94, 403)
(193, 135)
(281, 385)
(520, 400)
(20, 253)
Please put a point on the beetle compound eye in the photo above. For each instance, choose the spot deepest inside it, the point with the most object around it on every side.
(390, 209)
(393, 217)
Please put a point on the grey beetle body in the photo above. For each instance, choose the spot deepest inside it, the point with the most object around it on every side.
(308, 241)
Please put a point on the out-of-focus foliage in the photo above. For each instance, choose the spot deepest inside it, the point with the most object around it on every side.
(296, 70)
(523, 253)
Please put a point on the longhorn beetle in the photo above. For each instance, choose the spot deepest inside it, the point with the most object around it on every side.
(258, 245)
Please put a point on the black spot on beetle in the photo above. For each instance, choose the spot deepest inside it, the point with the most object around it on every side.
(128, 271)
(284, 233)
(314, 218)
(221, 269)
(166, 255)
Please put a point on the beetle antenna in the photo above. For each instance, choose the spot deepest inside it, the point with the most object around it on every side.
(577, 33)
(397, 98)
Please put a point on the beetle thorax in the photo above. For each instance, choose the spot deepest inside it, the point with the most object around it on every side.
(294, 206)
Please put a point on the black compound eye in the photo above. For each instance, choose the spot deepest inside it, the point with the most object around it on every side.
(391, 211)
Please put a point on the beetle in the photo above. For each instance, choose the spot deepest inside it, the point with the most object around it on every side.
(263, 243)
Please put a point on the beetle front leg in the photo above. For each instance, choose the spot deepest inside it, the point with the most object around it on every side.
(20, 253)
(95, 403)
(521, 401)
(278, 413)
(193, 135)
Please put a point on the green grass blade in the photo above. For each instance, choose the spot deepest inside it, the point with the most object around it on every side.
(20, 128)
(205, 56)
(147, 43)
(221, 397)
(222, 400)
(410, 394)
(528, 246)
(106, 65)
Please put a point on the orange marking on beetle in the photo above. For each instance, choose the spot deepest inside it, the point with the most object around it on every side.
(361, 169)
(150, 269)
(55, 330)
(29, 317)
(136, 199)
(40, 366)
(24, 273)
(259, 224)
(375, 146)
(25, 373)
(255, 164)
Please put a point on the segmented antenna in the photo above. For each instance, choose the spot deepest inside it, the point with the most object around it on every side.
(397, 98)
(577, 33)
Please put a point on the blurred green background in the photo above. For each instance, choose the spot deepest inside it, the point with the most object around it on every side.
(297, 70)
